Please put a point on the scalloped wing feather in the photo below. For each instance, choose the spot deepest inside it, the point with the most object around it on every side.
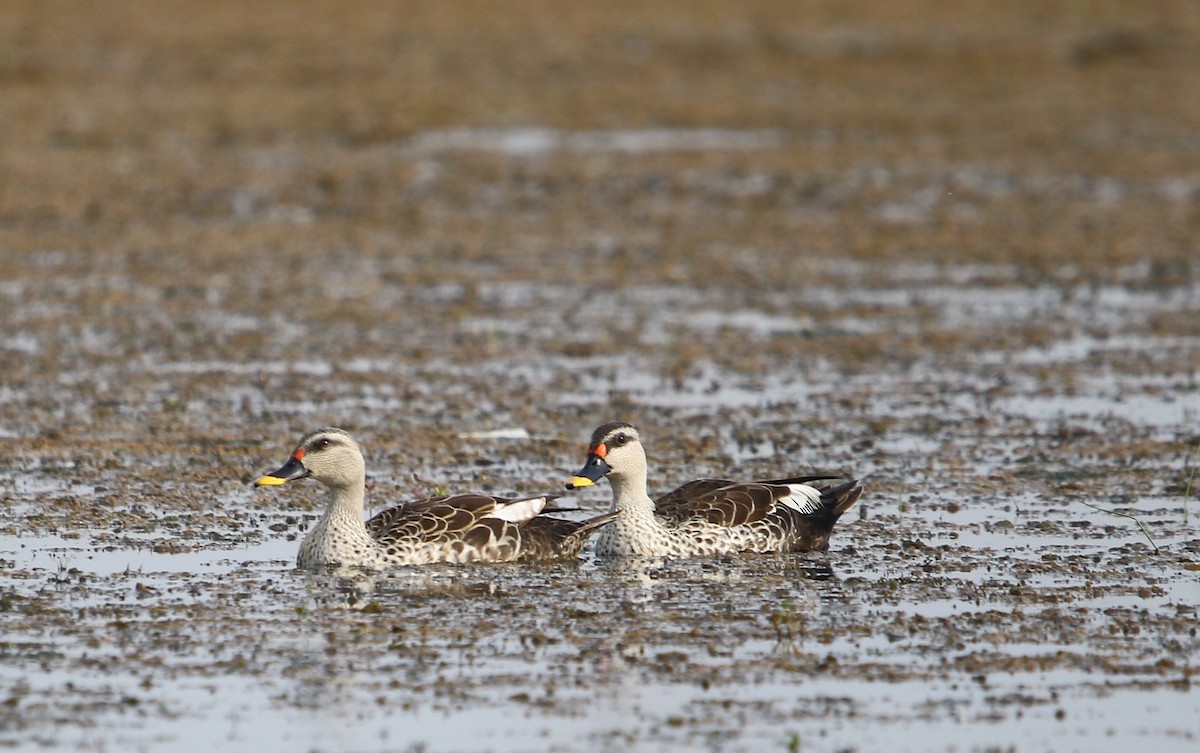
(471, 526)
(719, 502)
(731, 504)
(431, 520)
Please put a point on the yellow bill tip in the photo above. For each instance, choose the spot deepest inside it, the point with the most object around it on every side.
(578, 481)
(270, 481)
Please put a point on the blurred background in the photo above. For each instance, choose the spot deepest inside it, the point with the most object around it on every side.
(240, 181)
(951, 247)
(1042, 134)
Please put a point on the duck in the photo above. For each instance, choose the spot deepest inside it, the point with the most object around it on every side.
(708, 516)
(454, 528)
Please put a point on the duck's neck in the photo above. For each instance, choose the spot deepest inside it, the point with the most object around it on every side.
(340, 537)
(637, 531)
(347, 503)
(630, 497)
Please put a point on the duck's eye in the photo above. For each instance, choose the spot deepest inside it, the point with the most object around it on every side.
(620, 439)
(321, 444)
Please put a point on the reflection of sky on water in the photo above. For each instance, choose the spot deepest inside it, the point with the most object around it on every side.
(608, 701)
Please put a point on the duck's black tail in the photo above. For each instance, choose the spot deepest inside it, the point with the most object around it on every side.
(810, 531)
(841, 497)
(545, 539)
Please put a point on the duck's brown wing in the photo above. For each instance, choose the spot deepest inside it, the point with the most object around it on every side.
(461, 517)
(720, 502)
(729, 503)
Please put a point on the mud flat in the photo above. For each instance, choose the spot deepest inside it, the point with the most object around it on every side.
(953, 253)
(150, 599)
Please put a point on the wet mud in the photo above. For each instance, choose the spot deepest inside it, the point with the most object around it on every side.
(995, 321)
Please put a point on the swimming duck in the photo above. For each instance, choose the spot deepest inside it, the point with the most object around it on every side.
(708, 516)
(456, 528)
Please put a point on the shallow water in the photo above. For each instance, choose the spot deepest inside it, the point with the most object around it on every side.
(976, 600)
(469, 238)
(963, 632)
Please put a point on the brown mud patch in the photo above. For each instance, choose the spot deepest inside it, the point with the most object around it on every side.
(948, 249)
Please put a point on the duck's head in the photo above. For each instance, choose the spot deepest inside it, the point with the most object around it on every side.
(614, 451)
(329, 456)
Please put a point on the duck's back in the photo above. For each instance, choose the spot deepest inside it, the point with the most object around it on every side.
(788, 515)
(458, 528)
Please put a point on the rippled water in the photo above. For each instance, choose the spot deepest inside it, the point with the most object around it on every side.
(973, 602)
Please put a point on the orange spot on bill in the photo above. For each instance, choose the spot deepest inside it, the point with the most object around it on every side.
(601, 450)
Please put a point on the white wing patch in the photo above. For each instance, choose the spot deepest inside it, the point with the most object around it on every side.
(520, 510)
(804, 499)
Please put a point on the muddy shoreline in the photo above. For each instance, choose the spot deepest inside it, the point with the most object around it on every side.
(951, 251)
